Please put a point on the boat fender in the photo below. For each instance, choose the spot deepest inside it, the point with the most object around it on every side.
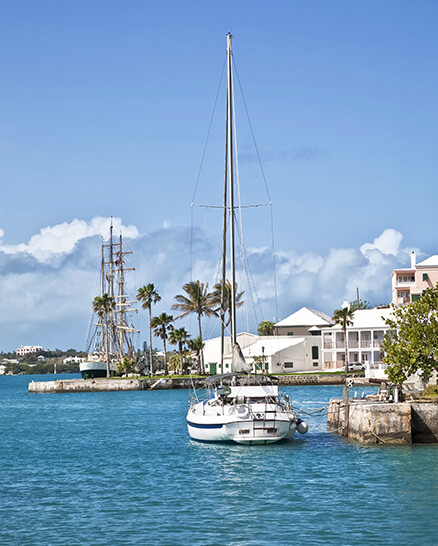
(302, 426)
(242, 412)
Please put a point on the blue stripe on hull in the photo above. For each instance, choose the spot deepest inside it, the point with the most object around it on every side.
(196, 425)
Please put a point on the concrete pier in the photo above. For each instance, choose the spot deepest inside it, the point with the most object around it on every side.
(385, 423)
(137, 384)
(107, 385)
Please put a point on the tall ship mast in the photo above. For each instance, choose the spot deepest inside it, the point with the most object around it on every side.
(110, 337)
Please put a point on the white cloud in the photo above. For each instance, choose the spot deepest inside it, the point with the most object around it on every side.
(53, 241)
(48, 283)
(386, 243)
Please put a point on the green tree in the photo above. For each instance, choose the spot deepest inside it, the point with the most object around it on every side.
(344, 317)
(179, 336)
(103, 306)
(216, 298)
(196, 345)
(161, 326)
(412, 342)
(126, 366)
(265, 328)
(359, 304)
(148, 295)
(198, 301)
(174, 362)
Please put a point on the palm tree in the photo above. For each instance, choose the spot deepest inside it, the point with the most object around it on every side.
(216, 298)
(344, 317)
(161, 326)
(102, 306)
(179, 336)
(148, 295)
(198, 300)
(266, 328)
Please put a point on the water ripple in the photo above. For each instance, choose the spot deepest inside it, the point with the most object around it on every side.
(119, 468)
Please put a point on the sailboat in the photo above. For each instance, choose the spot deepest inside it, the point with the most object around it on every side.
(110, 338)
(239, 407)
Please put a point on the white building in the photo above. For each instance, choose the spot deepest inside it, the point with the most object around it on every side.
(73, 359)
(271, 354)
(2, 369)
(28, 349)
(303, 322)
(212, 352)
(364, 339)
(285, 354)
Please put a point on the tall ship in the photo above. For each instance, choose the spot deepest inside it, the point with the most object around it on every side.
(110, 336)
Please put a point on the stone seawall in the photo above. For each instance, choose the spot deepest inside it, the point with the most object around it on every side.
(385, 423)
(135, 384)
(108, 385)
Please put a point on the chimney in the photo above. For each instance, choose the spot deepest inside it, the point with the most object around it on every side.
(413, 260)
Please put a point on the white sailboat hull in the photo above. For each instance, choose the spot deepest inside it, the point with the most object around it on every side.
(257, 427)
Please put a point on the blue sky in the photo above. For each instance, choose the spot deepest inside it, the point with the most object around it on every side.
(105, 109)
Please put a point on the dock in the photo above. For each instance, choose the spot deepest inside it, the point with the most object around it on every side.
(374, 422)
(156, 383)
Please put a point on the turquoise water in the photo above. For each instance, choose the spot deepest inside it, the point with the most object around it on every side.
(119, 468)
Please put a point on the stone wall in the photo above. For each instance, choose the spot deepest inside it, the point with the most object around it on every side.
(386, 423)
(424, 422)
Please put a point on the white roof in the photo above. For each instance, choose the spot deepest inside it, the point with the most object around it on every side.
(429, 262)
(306, 317)
(271, 345)
(368, 318)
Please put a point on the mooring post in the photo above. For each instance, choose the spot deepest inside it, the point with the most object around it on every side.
(346, 401)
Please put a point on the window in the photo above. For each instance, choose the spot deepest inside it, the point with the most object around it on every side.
(290, 333)
(315, 364)
(425, 277)
(288, 364)
(406, 278)
(315, 352)
(416, 297)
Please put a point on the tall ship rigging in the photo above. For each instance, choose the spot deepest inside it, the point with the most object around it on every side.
(110, 336)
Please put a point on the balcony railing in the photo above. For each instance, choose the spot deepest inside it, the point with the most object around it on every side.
(334, 365)
(378, 364)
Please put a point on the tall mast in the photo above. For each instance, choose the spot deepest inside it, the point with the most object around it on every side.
(103, 334)
(224, 248)
(121, 300)
(231, 185)
(111, 288)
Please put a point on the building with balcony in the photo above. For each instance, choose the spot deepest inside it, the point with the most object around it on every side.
(28, 349)
(364, 339)
(409, 284)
